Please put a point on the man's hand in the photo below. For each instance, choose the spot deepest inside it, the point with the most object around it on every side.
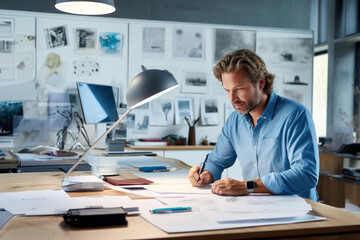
(205, 177)
(229, 186)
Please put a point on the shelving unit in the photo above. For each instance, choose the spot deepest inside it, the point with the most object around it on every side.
(338, 32)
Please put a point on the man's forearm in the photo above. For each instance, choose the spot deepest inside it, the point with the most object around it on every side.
(260, 187)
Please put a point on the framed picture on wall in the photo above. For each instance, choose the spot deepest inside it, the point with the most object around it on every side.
(85, 41)
(56, 36)
(189, 43)
(161, 112)
(153, 42)
(209, 111)
(183, 108)
(111, 43)
(6, 27)
(228, 40)
(194, 82)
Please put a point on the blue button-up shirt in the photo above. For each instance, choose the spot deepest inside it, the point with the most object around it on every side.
(281, 149)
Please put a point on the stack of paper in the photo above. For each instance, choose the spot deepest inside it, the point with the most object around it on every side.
(82, 183)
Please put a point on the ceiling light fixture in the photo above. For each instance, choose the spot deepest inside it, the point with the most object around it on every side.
(86, 7)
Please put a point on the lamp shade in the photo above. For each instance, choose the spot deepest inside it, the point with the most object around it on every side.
(148, 85)
(86, 7)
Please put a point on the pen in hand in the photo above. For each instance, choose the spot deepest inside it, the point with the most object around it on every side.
(202, 167)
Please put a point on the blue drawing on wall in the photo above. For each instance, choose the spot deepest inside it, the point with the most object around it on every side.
(111, 43)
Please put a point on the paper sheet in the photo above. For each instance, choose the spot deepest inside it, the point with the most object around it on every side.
(196, 221)
(53, 202)
(142, 191)
(211, 212)
(33, 202)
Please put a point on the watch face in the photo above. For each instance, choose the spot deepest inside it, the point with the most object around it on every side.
(250, 184)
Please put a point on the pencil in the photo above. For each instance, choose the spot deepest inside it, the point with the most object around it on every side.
(202, 167)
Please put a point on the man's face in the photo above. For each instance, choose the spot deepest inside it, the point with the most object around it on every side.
(243, 94)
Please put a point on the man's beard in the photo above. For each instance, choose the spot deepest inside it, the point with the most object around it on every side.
(254, 102)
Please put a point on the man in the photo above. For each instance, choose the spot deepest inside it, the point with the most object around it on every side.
(273, 137)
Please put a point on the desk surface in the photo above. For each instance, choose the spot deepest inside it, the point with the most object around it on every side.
(339, 223)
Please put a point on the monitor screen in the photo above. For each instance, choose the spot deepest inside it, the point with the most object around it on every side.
(97, 103)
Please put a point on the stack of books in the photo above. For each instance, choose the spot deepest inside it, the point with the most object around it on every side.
(147, 142)
(351, 173)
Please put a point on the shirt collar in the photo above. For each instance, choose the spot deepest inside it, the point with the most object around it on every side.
(270, 107)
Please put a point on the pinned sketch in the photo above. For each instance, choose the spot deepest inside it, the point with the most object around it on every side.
(153, 42)
(289, 51)
(7, 112)
(294, 95)
(161, 112)
(298, 77)
(194, 82)
(85, 41)
(25, 57)
(229, 108)
(229, 40)
(74, 100)
(59, 111)
(6, 46)
(138, 120)
(183, 108)
(6, 27)
(189, 43)
(110, 43)
(56, 36)
(86, 67)
(50, 78)
(7, 60)
(209, 111)
(33, 131)
(295, 81)
(24, 65)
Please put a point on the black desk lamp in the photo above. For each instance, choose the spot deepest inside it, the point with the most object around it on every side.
(145, 87)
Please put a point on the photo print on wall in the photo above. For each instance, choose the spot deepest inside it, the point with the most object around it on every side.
(228, 40)
(183, 108)
(194, 82)
(209, 111)
(6, 27)
(153, 42)
(189, 43)
(110, 43)
(85, 41)
(56, 36)
(161, 112)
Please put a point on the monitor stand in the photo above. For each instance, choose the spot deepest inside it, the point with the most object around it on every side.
(100, 128)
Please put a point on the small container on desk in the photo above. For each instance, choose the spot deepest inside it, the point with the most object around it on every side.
(191, 138)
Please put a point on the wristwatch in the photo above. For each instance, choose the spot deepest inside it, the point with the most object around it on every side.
(250, 186)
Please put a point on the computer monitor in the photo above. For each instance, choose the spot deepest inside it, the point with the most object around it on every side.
(97, 103)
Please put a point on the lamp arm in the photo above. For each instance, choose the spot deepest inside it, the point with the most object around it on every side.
(95, 144)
